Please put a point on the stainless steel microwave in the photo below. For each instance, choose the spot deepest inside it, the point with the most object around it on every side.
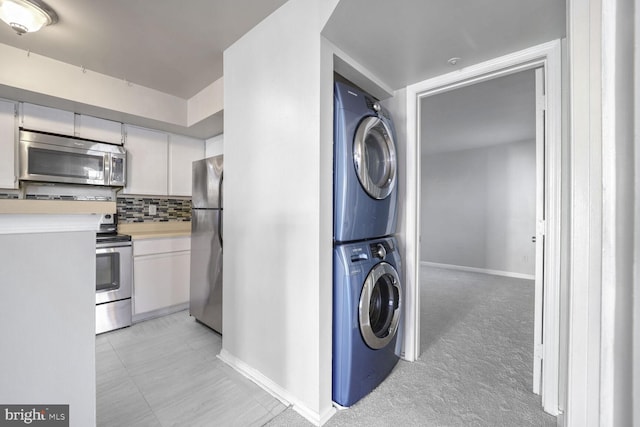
(53, 158)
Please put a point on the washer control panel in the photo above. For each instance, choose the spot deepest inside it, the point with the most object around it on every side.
(365, 251)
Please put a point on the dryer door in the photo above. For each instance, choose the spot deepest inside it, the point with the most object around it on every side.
(380, 305)
(374, 157)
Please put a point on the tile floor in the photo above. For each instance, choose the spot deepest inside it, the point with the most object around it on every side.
(474, 370)
(164, 372)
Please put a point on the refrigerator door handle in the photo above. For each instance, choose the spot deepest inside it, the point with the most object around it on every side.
(220, 228)
(220, 207)
(220, 190)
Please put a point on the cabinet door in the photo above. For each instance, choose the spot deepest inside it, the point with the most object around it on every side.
(45, 119)
(8, 175)
(160, 281)
(182, 152)
(146, 161)
(214, 146)
(98, 129)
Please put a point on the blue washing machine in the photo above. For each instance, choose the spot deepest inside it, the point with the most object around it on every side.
(367, 314)
(365, 167)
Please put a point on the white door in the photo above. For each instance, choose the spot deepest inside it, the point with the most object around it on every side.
(538, 239)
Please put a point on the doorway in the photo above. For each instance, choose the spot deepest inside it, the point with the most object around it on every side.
(478, 206)
(547, 58)
(478, 177)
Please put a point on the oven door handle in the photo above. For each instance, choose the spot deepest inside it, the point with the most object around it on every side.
(106, 250)
(109, 248)
(109, 288)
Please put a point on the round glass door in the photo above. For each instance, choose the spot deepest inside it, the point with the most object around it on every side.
(380, 304)
(374, 156)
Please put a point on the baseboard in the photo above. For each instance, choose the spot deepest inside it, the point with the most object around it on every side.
(276, 390)
(479, 270)
(141, 317)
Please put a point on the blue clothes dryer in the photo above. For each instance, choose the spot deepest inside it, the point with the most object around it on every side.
(367, 314)
(365, 167)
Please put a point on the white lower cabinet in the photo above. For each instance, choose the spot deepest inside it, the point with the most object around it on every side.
(160, 276)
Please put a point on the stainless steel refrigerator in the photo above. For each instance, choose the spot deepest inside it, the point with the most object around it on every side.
(206, 243)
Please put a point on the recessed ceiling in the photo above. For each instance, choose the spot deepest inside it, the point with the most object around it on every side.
(406, 41)
(171, 46)
(496, 111)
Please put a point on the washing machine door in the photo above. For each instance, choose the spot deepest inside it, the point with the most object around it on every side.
(380, 305)
(374, 157)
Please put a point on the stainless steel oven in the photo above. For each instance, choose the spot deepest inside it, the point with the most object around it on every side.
(114, 278)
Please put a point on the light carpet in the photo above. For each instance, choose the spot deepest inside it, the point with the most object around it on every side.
(475, 367)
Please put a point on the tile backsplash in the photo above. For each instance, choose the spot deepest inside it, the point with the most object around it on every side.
(130, 208)
(136, 209)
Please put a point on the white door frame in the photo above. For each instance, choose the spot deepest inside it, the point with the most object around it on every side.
(548, 56)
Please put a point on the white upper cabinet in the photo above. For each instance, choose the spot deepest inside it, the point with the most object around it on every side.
(8, 175)
(97, 129)
(182, 152)
(215, 146)
(147, 162)
(45, 119)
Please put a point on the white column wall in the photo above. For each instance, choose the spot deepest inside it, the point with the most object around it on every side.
(618, 214)
(585, 288)
(277, 263)
(47, 321)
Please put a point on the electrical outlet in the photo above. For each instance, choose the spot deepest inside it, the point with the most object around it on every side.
(152, 209)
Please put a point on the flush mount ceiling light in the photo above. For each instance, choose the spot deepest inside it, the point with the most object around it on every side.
(26, 16)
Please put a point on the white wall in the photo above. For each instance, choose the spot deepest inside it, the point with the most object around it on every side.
(46, 76)
(478, 208)
(207, 102)
(603, 191)
(277, 264)
(397, 107)
(618, 214)
(47, 321)
(584, 36)
(41, 80)
(636, 281)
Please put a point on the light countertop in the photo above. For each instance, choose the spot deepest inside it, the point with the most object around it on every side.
(56, 207)
(152, 230)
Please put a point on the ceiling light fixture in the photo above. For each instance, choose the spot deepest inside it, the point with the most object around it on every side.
(26, 16)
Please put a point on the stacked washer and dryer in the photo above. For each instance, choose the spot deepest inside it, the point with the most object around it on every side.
(367, 287)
